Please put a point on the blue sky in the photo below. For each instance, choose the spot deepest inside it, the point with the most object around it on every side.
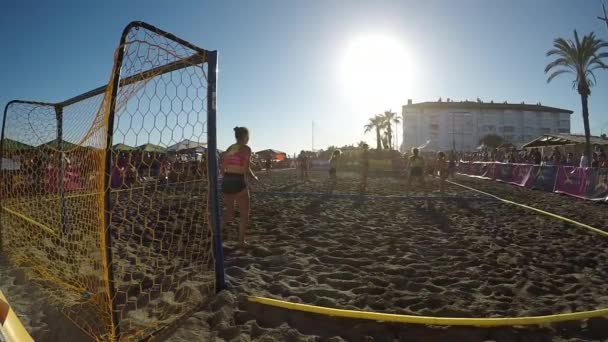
(280, 61)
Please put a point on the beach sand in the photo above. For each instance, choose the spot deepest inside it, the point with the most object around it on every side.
(42, 320)
(436, 257)
(472, 257)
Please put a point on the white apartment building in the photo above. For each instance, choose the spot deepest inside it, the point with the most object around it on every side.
(444, 125)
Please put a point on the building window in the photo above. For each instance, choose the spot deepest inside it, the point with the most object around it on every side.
(434, 127)
(545, 130)
(489, 128)
(564, 123)
(564, 130)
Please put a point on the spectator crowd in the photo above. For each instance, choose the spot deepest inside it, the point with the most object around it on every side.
(534, 156)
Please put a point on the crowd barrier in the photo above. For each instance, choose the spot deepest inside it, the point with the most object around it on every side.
(582, 182)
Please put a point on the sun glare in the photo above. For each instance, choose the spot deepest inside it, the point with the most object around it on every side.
(376, 72)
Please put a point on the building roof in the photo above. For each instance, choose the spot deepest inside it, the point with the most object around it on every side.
(563, 139)
(14, 145)
(187, 144)
(151, 148)
(122, 147)
(54, 145)
(488, 105)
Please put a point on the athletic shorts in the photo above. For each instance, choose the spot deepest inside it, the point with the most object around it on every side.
(416, 172)
(233, 183)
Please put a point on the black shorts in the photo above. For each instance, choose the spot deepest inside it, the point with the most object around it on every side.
(233, 183)
(332, 171)
(416, 172)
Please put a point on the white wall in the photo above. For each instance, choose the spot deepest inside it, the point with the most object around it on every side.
(423, 124)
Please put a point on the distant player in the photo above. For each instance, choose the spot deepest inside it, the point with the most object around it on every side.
(416, 165)
(303, 164)
(452, 165)
(442, 170)
(364, 167)
(268, 166)
(333, 165)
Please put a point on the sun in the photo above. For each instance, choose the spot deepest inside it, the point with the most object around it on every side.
(376, 72)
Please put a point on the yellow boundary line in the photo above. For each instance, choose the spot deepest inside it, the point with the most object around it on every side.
(383, 317)
(596, 230)
(477, 322)
(36, 223)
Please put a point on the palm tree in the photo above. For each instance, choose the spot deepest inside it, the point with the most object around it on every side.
(580, 58)
(376, 123)
(387, 123)
(397, 121)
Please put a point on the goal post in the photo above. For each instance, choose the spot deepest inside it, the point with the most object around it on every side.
(110, 199)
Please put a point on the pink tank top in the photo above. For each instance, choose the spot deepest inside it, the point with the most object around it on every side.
(235, 156)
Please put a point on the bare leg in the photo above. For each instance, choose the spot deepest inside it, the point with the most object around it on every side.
(242, 200)
(229, 208)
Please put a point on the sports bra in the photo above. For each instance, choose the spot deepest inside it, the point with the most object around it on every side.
(235, 156)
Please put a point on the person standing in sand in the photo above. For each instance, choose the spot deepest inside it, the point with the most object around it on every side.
(416, 164)
(442, 170)
(364, 166)
(236, 169)
(333, 165)
(303, 163)
(268, 165)
(452, 165)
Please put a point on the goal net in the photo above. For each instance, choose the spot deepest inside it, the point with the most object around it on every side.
(105, 195)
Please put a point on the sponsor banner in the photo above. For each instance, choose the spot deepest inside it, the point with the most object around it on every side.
(503, 172)
(572, 181)
(587, 183)
(597, 184)
(543, 177)
(521, 174)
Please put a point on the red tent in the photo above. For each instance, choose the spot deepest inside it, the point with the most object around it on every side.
(271, 154)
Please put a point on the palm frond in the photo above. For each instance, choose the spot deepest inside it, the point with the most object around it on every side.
(589, 82)
(557, 73)
(557, 62)
(579, 57)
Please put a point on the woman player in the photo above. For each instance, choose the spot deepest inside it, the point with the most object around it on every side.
(416, 165)
(236, 169)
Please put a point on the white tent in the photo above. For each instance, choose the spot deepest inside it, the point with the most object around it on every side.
(188, 145)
